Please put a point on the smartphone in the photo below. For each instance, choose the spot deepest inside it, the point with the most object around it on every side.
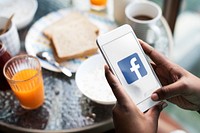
(127, 60)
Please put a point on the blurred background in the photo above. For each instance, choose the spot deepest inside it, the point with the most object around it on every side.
(186, 32)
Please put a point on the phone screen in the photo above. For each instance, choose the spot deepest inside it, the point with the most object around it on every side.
(128, 62)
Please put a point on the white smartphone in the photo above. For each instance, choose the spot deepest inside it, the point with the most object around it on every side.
(127, 60)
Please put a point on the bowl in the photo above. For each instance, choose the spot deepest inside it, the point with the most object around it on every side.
(23, 10)
(91, 81)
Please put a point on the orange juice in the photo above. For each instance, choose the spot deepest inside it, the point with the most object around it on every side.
(28, 88)
(98, 4)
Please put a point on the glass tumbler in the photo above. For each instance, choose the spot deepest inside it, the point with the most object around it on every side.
(24, 76)
(98, 5)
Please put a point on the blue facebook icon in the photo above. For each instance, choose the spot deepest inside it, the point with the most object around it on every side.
(132, 68)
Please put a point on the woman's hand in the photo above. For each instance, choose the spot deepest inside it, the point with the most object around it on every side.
(179, 86)
(126, 116)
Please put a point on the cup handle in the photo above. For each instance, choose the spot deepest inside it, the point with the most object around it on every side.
(153, 34)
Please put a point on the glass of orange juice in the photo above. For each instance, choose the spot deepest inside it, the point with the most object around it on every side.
(24, 76)
(98, 4)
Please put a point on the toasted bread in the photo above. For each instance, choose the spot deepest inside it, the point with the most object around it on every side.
(73, 36)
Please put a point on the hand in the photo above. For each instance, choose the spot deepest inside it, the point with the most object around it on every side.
(179, 86)
(126, 116)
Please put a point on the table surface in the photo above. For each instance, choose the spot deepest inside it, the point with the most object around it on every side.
(65, 108)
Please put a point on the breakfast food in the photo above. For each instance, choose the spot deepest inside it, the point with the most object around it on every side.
(73, 36)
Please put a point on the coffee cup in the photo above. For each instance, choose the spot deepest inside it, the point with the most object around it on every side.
(10, 38)
(143, 17)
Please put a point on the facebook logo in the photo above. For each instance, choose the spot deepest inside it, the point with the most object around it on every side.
(132, 68)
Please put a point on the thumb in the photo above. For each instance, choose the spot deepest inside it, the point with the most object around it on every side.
(154, 112)
(120, 94)
(168, 91)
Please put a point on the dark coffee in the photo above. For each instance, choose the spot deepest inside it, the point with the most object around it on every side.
(142, 17)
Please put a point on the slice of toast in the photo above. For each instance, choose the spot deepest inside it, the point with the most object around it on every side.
(72, 19)
(70, 44)
(72, 38)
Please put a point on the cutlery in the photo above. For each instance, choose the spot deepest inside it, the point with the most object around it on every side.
(45, 56)
(6, 27)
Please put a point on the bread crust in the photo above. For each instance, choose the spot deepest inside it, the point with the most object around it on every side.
(73, 36)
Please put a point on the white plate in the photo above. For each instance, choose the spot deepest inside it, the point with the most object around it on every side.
(91, 81)
(35, 40)
(24, 11)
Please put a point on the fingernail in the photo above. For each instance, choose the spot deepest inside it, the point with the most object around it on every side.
(155, 97)
(164, 105)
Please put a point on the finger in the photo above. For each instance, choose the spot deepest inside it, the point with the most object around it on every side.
(162, 74)
(154, 112)
(156, 57)
(154, 66)
(119, 92)
(168, 91)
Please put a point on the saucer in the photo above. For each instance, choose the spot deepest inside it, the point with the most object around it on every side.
(91, 81)
(36, 42)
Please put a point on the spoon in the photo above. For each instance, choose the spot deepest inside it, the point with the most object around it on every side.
(45, 56)
(7, 24)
